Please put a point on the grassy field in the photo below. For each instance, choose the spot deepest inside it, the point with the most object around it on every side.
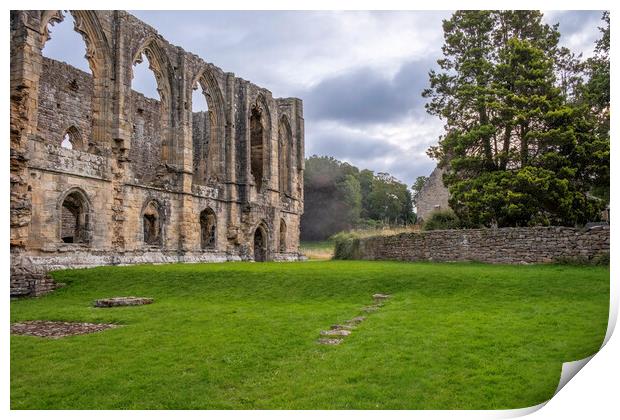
(318, 250)
(243, 335)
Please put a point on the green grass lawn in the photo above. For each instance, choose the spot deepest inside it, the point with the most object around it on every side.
(243, 335)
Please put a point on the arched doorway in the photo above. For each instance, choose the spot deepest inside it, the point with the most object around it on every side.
(74, 214)
(152, 224)
(208, 229)
(260, 244)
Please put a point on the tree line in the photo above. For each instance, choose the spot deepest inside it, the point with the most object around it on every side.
(338, 196)
(526, 138)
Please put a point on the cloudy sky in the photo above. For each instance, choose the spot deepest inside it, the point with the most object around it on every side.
(360, 74)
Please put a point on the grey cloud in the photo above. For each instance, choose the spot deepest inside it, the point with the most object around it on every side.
(367, 96)
(348, 146)
(409, 170)
(578, 29)
(405, 159)
(572, 21)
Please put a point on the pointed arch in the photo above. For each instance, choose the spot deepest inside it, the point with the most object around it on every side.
(163, 72)
(75, 218)
(285, 145)
(152, 223)
(160, 66)
(86, 23)
(99, 57)
(261, 242)
(260, 145)
(208, 229)
(209, 146)
(72, 139)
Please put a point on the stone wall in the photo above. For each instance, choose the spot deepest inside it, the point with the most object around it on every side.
(65, 100)
(146, 138)
(504, 245)
(130, 153)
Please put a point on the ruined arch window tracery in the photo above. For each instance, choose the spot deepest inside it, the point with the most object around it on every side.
(151, 140)
(152, 224)
(63, 43)
(143, 78)
(204, 136)
(75, 218)
(208, 229)
(284, 156)
(208, 121)
(70, 80)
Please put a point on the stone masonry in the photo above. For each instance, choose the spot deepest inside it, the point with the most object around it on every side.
(503, 245)
(433, 196)
(102, 175)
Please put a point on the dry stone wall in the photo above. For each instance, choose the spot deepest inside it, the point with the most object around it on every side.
(131, 165)
(504, 245)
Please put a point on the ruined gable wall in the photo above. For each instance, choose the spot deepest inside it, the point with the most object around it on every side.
(433, 196)
(136, 150)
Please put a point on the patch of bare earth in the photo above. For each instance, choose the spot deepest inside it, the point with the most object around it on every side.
(55, 329)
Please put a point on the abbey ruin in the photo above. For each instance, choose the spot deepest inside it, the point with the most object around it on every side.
(101, 174)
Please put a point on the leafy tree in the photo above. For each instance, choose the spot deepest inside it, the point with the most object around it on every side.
(351, 192)
(325, 191)
(389, 200)
(366, 178)
(339, 197)
(519, 147)
(417, 187)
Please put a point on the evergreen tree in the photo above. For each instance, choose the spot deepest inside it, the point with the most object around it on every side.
(518, 145)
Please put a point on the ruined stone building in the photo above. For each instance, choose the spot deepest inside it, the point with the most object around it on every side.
(101, 174)
(433, 196)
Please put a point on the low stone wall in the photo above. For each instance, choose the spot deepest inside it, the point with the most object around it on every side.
(504, 245)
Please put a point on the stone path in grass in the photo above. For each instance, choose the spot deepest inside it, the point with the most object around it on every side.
(337, 332)
(55, 329)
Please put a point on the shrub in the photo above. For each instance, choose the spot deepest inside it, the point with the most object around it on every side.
(346, 246)
(601, 260)
(442, 219)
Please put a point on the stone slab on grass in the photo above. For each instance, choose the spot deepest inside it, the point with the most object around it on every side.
(336, 332)
(330, 341)
(56, 329)
(122, 301)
